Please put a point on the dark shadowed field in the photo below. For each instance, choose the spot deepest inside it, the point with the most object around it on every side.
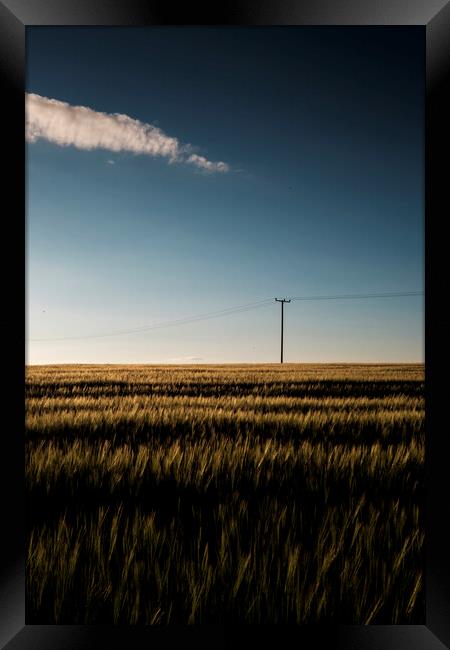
(212, 494)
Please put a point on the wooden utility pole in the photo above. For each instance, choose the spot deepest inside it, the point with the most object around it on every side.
(282, 300)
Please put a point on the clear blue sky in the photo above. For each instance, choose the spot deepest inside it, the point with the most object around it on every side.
(322, 130)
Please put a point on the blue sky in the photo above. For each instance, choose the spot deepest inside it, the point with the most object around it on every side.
(322, 134)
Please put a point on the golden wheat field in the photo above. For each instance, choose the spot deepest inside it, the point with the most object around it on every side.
(212, 494)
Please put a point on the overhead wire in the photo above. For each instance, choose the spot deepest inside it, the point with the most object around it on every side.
(169, 323)
(227, 312)
(361, 296)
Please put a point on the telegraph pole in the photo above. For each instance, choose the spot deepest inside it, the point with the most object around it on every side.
(282, 300)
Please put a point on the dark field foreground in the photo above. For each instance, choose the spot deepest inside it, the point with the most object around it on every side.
(215, 494)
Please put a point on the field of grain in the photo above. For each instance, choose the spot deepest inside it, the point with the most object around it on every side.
(217, 494)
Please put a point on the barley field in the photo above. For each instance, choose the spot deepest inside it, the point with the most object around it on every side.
(218, 494)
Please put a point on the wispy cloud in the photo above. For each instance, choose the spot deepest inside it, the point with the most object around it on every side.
(185, 360)
(207, 165)
(84, 128)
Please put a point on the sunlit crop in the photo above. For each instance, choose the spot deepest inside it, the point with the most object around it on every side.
(210, 494)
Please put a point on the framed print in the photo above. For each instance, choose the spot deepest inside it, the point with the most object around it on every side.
(224, 249)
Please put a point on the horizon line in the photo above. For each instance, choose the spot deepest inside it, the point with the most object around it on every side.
(235, 363)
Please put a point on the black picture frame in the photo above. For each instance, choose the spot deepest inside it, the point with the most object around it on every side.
(434, 17)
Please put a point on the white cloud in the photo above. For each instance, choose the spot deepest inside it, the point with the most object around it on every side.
(84, 128)
(185, 360)
(207, 165)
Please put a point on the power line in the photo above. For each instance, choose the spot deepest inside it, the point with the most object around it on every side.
(169, 323)
(227, 312)
(362, 296)
(357, 296)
